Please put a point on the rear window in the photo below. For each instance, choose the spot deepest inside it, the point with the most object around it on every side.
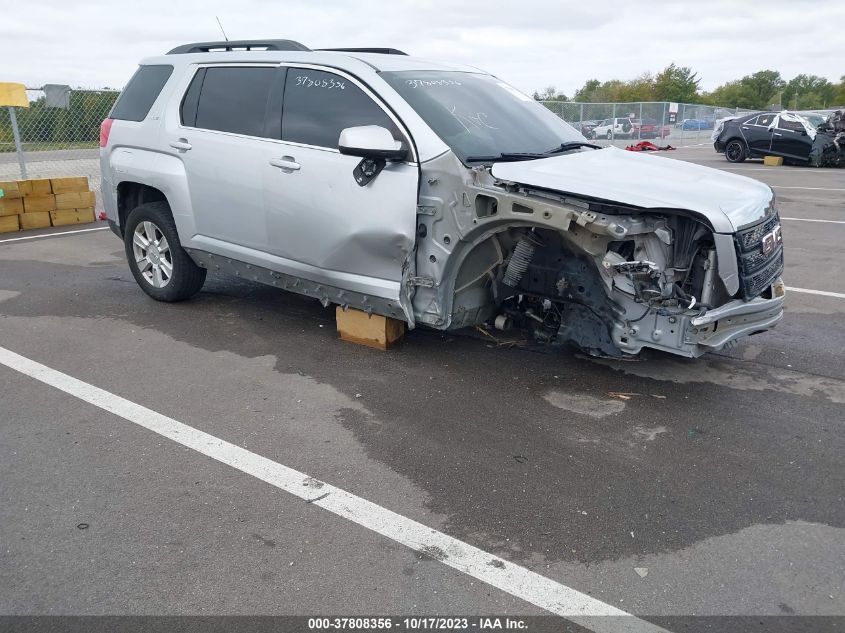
(141, 92)
(231, 99)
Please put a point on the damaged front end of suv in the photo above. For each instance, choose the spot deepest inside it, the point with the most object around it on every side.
(567, 249)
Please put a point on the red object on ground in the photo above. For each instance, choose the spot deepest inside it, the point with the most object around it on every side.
(102, 216)
(648, 146)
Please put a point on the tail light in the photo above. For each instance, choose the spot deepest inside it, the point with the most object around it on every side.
(105, 129)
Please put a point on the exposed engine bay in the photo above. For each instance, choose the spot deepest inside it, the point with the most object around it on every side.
(549, 284)
(608, 279)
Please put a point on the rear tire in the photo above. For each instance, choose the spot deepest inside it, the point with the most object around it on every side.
(609, 135)
(158, 262)
(736, 151)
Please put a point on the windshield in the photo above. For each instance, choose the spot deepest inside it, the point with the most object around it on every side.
(478, 115)
(815, 119)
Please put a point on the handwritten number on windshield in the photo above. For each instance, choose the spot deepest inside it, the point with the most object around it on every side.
(431, 83)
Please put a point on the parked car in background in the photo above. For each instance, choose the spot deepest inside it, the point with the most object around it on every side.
(613, 128)
(648, 128)
(698, 124)
(664, 131)
(585, 127)
(645, 128)
(765, 134)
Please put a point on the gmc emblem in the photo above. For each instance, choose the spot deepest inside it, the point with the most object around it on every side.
(771, 240)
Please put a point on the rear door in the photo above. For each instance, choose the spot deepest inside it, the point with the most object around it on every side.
(316, 215)
(757, 134)
(221, 141)
(790, 140)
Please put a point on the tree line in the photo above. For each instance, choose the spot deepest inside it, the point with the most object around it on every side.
(762, 90)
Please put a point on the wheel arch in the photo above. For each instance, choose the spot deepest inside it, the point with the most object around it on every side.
(131, 195)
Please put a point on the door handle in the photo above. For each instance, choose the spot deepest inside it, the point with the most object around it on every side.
(778, 134)
(286, 163)
(182, 145)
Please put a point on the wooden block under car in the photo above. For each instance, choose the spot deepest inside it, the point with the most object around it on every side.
(773, 161)
(375, 331)
(63, 217)
(75, 200)
(34, 220)
(9, 223)
(69, 185)
(10, 189)
(35, 187)
(11, 206)
(38, 204)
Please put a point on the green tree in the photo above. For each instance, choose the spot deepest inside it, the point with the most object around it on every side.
(588, 92)
(676, 83)
(550, 93)
(806, 92)
(756, 92)
(838, 98)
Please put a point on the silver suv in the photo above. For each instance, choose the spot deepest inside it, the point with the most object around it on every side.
(428, 192)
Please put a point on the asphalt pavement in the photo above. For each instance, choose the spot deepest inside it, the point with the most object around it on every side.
(659, 487)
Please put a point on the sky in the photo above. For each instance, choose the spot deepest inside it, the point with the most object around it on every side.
(528, 43)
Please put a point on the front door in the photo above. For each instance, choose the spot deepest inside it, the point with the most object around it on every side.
(790, 140)
(318, 219)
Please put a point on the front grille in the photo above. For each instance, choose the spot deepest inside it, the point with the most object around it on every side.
(752, 237)
(757, 270)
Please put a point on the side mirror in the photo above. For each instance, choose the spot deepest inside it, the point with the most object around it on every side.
(371, 141)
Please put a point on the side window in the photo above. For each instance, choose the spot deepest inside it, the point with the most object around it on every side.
(318, 105)
(795, 126)
(231, 99)
(765, 119)
(752, 121)
(141, 92)
(188, 109)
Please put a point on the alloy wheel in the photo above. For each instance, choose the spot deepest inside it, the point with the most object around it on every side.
(152, 254)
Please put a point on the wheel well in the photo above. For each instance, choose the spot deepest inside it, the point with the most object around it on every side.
(133, 194)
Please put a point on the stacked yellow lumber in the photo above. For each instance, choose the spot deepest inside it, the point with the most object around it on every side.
(43, 202)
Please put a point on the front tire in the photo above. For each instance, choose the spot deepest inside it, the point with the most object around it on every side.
(735, 151)
(158, 262)
(609, 135)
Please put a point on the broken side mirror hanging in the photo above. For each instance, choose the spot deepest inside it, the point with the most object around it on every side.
(375, 145)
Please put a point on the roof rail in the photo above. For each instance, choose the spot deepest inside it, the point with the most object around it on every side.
(382, 51)
(233, 45)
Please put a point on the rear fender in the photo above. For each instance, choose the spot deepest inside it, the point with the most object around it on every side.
(160, 171)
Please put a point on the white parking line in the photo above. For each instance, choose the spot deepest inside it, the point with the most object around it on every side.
(36, 237)
(497, 572)
(805, 188)
(813, 220)
(803, 169)
(823, 293)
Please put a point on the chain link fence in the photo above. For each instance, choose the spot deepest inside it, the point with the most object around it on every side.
(58, 137)
(683, 124)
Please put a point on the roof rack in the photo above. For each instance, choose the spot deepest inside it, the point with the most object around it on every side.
(239, 45)
(382, 51)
